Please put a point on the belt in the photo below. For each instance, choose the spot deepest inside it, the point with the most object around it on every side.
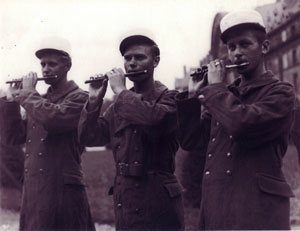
(124, 169)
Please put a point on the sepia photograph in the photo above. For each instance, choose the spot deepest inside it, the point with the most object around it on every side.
(154, 115)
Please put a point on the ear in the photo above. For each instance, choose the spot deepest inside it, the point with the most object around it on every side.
(265, 47)
(156, 61)
(68, 67)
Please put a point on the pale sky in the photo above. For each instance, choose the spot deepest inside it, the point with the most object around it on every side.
(94, 28)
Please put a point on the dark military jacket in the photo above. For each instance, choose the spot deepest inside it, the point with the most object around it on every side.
(54, 196)
(142, 136)
(243, 185)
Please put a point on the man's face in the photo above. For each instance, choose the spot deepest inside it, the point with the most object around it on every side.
(139, 58)
(53, 66)
(242, 47)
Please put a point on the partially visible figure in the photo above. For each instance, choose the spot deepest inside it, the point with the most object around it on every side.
(141, 128)
(248, 129)
(295, 133)
(11, 171)
(54, 196)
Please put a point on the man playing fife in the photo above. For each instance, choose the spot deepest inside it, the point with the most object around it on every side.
(54, 196)
(140, 126)
(249, 123)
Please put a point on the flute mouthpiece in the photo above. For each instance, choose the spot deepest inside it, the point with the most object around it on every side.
(236, 65)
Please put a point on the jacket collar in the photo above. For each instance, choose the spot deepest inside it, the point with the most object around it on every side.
(55, 94)
(156, 93)
(265, 79)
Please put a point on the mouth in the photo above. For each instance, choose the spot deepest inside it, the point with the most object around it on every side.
(241, 64)
(135, 73)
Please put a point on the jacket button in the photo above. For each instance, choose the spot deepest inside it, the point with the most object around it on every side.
(118, 147)
(228, 172)
(29, 140)
(213, 139)
(119, 205)
(217, 123)
(136, 162)
(134, 131)
(41, 170)
(230, 137)
(137, 210)
(209, 155)
(27, 155)
(42, 139)
(26, 170)
(40, 154)
(228, 154)
(207, 173)
(201, 97)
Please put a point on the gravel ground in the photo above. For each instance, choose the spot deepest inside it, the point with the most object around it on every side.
(9, 221)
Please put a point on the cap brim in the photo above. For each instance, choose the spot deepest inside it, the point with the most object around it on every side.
(243, 26)
(135, 39)
(42, 52)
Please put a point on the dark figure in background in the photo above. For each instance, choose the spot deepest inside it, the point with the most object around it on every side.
(54, 196)
(141, 128)
(295, 133)
(243, 184)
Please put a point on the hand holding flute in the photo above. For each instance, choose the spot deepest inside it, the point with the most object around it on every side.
(214, 72)
(97, 91)
(202, 71)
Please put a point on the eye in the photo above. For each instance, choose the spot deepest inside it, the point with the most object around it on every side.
(43, 64)
(231, 47)
(244, 44)
(127, 58)
(139, 57)
(52, 64)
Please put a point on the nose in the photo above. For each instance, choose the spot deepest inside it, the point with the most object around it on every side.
(45, 69)
(132, 62)
(237, 52)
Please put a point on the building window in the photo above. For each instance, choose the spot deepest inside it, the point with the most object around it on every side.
(293, 30)
(290, 58)
(296, 82)
(298, 53)
(273, 65)
(285, 61)
(295, 57)
(283, 36)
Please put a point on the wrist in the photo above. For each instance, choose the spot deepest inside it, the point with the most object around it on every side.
(93, 104)
(192, 94)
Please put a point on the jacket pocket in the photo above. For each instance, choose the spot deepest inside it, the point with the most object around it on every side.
(274, 185)
(73, 180)
(173, 189)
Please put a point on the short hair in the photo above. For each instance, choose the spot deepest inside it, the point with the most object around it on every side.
(66, 60)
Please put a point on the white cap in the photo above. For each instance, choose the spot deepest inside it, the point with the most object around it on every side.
(54, 45)
(239, 18)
